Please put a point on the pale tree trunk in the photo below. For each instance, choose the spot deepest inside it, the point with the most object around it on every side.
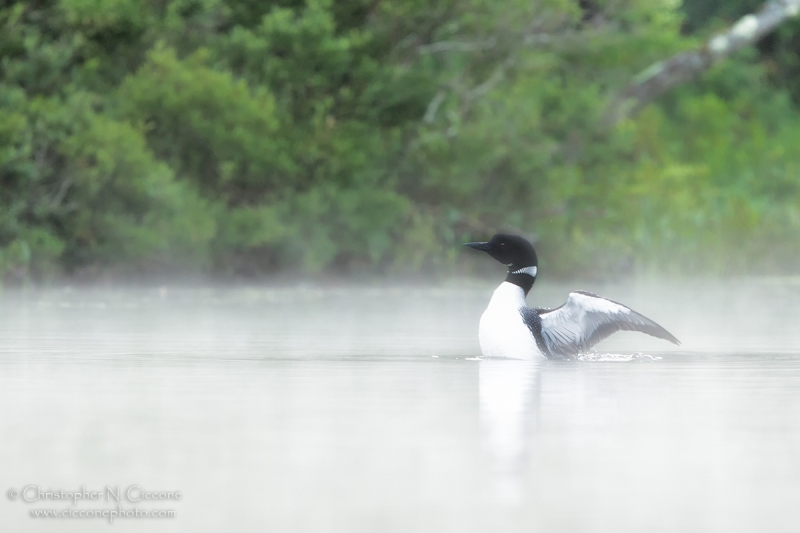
(664, 75)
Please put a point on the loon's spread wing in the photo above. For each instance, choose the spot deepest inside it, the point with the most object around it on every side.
(586, 319)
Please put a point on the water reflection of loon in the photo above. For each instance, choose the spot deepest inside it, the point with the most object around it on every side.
(508, 393)
(509, 328)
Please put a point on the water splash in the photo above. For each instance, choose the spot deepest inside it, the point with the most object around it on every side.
(595, 357)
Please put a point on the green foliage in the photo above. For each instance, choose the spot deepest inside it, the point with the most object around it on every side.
(82, 190)
(206, 124)
(245, 137)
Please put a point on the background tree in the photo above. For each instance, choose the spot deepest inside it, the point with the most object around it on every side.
(247, 138)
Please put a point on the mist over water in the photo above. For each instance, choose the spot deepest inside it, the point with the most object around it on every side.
(348, 409)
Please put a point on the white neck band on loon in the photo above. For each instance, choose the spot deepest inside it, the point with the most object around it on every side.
(523, 278)
(531, 271)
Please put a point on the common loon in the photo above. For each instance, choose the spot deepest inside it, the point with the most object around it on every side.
(509, 328)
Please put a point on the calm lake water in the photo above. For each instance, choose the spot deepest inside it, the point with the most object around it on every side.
(311, 409)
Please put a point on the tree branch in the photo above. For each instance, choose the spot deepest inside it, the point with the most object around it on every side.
(456, 46)
(661, 77)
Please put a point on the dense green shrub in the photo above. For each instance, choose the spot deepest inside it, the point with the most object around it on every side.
(245, 138)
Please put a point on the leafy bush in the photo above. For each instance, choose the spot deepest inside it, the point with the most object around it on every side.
(248, 138)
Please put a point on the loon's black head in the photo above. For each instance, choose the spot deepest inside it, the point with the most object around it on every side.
(516, 253)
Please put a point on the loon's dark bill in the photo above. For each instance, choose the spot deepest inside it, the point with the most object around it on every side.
(483, 246)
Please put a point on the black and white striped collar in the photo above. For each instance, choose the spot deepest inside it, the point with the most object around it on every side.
(523, 277)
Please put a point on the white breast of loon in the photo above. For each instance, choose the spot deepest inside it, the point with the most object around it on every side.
(502, 331)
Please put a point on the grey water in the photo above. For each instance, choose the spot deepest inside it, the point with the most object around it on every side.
(351, 409)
